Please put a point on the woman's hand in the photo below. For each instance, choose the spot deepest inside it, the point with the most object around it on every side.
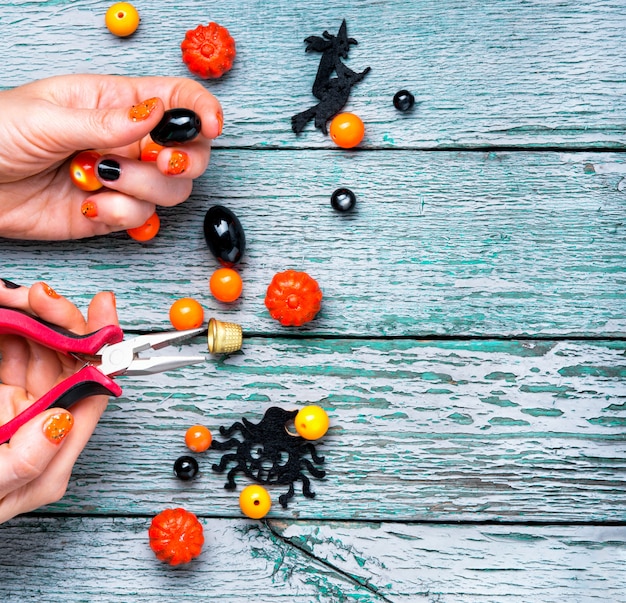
(46, 122)
(35, 466)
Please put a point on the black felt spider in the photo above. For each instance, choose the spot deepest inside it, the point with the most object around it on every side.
(269, 454)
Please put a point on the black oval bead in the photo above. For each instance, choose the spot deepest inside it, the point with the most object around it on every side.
(343, 199)
(224, 235)
(403, 100)
(186, 468)
(176, 127)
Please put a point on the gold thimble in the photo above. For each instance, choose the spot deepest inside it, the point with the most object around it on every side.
(224, 337)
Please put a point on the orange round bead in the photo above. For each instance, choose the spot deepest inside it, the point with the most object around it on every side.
(147, 231)
(186, 313)
(198, 438)
(83, 171)
(347, 130)
(151, 151)
(226, 285)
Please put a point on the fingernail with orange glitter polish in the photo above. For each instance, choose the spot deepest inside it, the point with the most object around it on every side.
(58, 426)
(220, 122)
(143, 110)
(49, 291)
(178, 163)
(89, 209)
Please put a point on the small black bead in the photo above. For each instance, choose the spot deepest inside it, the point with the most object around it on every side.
(186, 468)
(343, 199)
(403, 100)
(176, 127)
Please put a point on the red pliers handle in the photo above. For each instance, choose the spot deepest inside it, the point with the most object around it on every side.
(88, 381)
(106, 347)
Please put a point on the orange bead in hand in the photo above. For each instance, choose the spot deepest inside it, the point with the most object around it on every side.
(147, 231)
(151, 151)
(83, 171)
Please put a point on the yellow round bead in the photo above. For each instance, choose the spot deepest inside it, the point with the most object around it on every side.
(122, 19)
(255, 501)
(311, 422)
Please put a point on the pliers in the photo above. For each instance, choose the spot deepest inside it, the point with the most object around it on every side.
(105, 352)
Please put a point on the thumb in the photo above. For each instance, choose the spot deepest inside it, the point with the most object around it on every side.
(32, 448)
(70, 129)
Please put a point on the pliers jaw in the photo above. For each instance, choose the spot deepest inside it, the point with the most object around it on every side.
(123, 358)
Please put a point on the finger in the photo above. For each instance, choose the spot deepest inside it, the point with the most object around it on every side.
(32, 448)
(106, 91)
(45, 368)
(189, 161)
(13, 400)
(87, 412)
(68, 129)
(14, 355)
(56, 309)
(14, 297)
(177, 92)
(102, 311)
(116, 210)
(142, 180)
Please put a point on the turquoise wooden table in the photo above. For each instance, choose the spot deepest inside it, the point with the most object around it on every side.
(470, 350)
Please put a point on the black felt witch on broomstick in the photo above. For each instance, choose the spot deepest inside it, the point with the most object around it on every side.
(332, 92)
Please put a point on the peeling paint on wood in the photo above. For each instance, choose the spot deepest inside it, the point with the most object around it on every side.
(471, 346)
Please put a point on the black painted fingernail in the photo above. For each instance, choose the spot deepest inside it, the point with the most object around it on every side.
(109, 170)
(9, 284)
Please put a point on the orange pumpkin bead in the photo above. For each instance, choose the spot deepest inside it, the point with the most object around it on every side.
(176, 536)
(293, 298)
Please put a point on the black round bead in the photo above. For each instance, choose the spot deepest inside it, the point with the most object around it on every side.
(186, 468)
(403, 100)
(176, 127)
(224, 235)
(343, 199)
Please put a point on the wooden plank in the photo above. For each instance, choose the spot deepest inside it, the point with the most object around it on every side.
(531, 73)
(440, 243)
(108, 559)
(421, 430)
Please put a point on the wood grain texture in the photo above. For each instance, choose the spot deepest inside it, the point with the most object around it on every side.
(470, 350)
(420, 430)
(537, 73)
(440, 243)
(320, 562)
